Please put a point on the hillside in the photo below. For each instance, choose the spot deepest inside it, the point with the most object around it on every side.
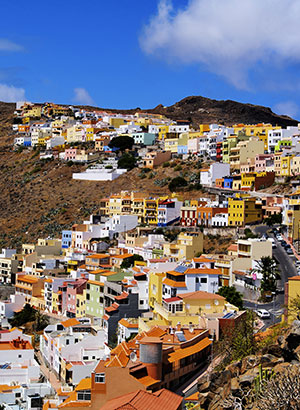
(39, 198)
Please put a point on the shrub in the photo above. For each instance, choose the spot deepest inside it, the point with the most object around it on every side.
(178, 168)
(177, 182)
(70, 163)
(166, 164)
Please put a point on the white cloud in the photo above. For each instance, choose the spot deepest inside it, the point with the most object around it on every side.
(7, 45)
(81, 96)
(226, 37)
(9, 93)
(287, 108)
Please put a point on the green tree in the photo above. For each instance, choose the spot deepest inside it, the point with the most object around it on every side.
(177, 182)
(27, 314)
(128, 262)
(41, 321)
(273, 219)
(121, 143)
(127, 161)
(231, 295)
(268, 269)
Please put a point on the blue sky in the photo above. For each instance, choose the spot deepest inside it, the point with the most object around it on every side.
(140, 53)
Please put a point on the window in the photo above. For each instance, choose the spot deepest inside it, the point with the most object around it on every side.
(100, 378)
(85, 358)
(203, 280)
(67, 341)
(84, 395)
(19, 356)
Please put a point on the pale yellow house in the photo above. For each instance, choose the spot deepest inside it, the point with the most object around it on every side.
(187, 245)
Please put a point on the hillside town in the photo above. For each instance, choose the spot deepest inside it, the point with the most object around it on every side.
(129, 308)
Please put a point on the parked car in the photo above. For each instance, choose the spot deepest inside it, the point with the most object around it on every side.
(289, 251)
(279, 237)
(263, 313)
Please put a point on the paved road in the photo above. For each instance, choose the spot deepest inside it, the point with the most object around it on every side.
(286, 265)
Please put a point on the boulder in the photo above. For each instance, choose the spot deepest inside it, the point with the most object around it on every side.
(249, 362)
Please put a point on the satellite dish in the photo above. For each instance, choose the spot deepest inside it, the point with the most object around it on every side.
(133, 357)
(191, 328)
(216, 302)
(188, 306)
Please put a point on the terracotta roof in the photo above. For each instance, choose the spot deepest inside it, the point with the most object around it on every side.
(294, 278)
(126, 255)
(70, 322)
(193, 397)
(203, 259)
(203, 271)
(124, 295)
(98, 256)
(188, 351)
(71, 401)
(233, 247)
(84, 384)
(127, 324)
(200, 294)
(105, 317)
(28, 278)
(175, 299)
(144, 400)
(95, 282)
(173, 283)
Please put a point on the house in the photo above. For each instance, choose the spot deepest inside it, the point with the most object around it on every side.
(143, 138)
(8, 266)
(72, 348)
(215, 171)
(17, 362)
(168, 212)
(12, 305)
(243, 210)
(127, 328)
(155, 158)
(291, 292)
(185, 247)
(185, 279)
(31, 287)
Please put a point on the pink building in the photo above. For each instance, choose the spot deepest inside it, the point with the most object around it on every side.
(70, 154)
(74, 289)
(260, 161)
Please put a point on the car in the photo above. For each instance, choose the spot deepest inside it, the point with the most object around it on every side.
(263, 313)
(279, 237)
(274, 246)
(297, 263)
(283, 244)
(289, 251)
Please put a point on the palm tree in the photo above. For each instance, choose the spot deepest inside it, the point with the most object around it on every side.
(268, 269)
(41, 321)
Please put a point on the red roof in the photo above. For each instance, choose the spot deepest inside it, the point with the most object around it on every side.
(169, 300)
(142, 400)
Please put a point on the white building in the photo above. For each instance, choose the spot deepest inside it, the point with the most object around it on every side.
(220, 219)
(8, 307)
(168, 212)
(274, 136)
(216, 170)
(17, 363)
(79, 346)
(97, 173)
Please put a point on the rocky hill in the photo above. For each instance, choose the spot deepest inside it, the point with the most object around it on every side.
(267, 380)
(199, 109)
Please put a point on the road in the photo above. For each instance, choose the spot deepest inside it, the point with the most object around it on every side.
(286, 265)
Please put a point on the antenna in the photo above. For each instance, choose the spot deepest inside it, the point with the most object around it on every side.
(133, 356)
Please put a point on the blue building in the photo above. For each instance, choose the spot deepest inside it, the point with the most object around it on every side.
(228, 181)
(66, 239)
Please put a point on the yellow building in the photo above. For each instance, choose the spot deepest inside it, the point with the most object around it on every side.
(171, 144)
(80, 304)
(295, 165)
(188, 244)
(292, 293)
(155, 288)
(247, 181)
(255, 130)
(243, 210)
(186, 308)
(150, 211)
(116, 122)
(277, 163)
(285, 165)
(162, 131)
(89, 134)
(204, 128)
